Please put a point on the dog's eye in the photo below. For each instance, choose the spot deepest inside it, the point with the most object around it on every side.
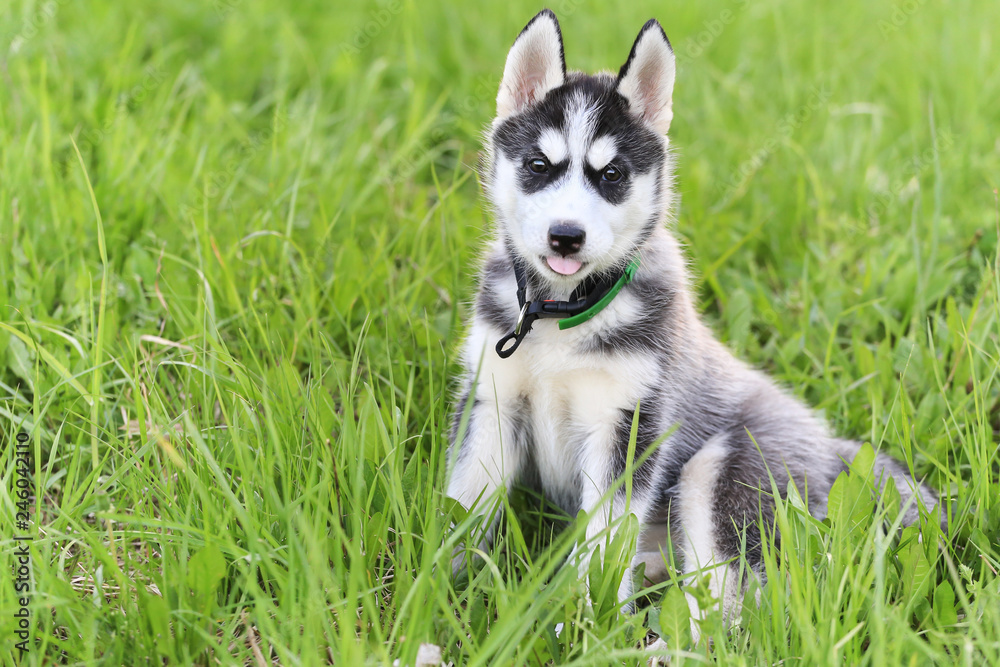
(538, 165)
(611, 174)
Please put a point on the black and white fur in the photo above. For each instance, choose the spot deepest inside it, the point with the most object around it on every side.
(558, 412)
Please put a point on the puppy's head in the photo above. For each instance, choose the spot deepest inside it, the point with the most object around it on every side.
(579, 170)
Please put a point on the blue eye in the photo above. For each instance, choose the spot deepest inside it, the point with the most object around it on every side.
(538, 165)
(611, 174)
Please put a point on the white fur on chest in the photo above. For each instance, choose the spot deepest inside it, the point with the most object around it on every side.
(576, 399)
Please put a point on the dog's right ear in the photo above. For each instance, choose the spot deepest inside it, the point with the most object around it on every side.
(535, 65)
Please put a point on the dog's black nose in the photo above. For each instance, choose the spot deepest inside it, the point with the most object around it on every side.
(565, 238)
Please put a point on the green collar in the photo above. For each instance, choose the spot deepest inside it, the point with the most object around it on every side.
(571, 313)
(625, 279)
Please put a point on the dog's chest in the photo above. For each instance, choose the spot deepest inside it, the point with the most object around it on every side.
(575, 397)
(577, 402)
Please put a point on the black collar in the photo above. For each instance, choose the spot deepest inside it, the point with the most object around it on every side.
(589, 298)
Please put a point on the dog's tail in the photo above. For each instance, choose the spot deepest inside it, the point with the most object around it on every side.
(887, 468)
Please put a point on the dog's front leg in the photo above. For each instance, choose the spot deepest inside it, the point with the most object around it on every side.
(602, 528)
(489, 455)
(606, 507)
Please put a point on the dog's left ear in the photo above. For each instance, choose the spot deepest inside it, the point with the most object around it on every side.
(646, 79)
(535, 65)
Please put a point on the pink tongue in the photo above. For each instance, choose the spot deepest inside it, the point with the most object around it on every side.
(563, 265)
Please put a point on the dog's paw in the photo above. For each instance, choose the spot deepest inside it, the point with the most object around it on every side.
(658, 651)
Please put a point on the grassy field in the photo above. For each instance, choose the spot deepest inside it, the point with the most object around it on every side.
(237, 246)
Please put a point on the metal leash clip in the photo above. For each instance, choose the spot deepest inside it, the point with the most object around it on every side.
(520, 318)
(521, 329)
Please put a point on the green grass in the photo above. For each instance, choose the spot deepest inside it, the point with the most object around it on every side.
(237, 254)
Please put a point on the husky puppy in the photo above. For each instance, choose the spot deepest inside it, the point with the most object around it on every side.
(584, 315)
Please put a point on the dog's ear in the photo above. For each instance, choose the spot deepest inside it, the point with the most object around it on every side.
(535, 65)
(646, 79)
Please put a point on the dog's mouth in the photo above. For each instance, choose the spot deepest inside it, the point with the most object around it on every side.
(565, 266)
